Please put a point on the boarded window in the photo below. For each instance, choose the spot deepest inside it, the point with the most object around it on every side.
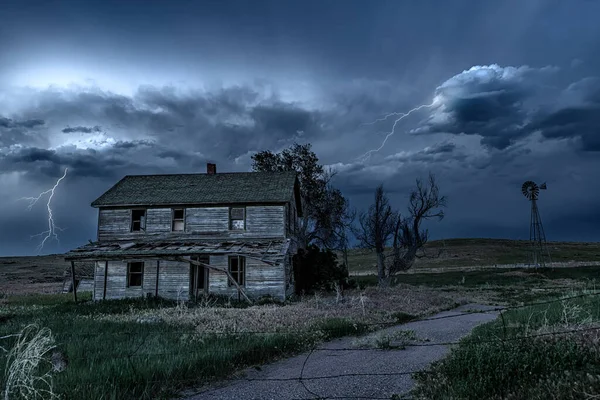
(135, 274)
(138, 220)
(178, 219)
(237, 220)
(237, 269)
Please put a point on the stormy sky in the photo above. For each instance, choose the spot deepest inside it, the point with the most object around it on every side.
(511, 92)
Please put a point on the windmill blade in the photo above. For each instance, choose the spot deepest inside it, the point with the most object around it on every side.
(530, 190)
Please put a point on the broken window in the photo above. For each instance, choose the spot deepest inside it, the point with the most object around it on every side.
(237, 219)
(178, 223)
(135, 273)
(138, 220)
(237, 269)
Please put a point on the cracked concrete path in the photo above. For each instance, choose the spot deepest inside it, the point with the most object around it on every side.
(279, 380)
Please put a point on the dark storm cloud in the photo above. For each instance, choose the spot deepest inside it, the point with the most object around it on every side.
(487, 101)
(41, 163)
(124, 144)
(10, 123)
(578, 119)
(283, 119)
(581, 122)
(82, 129)
(14, 132)
(112, 162)
(503, 105)
(226, 122)
(438, 153)
(441, 148)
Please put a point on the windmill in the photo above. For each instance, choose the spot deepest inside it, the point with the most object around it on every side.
(539, 250)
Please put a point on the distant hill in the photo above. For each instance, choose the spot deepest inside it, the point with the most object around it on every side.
(480, 252)
(32, 274)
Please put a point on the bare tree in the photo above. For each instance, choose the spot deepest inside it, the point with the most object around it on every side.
(377, 227)
(425, 203)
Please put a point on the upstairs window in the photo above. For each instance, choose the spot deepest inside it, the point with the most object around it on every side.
(138, 220)
(135, 274)
(237, 269)
(178, 223)
(237, 218)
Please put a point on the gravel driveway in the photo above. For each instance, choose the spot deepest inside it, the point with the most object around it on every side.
(279, 380)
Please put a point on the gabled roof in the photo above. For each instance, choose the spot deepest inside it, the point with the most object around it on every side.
(220, 188)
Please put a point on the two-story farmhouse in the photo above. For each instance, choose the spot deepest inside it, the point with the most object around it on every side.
(179, 236)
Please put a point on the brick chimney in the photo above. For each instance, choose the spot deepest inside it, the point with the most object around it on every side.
(211, 169)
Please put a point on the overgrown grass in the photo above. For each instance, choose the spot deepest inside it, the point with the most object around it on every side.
(531, 353)
(143, 360)
(497, 277)
(46, 299)
(481, 251)
(153, 348)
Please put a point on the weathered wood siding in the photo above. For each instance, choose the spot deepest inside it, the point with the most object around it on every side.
(261, 279)
(173, 280)
(266, 221)
(291, 220)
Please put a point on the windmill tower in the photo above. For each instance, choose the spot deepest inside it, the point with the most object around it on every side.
(539, 255)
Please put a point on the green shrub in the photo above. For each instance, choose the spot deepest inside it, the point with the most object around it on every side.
(318, 269)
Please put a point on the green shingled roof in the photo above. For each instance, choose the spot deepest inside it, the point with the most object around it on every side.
(220, 188)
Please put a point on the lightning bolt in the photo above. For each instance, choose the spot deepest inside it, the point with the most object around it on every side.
(400, 116)
(52, 228)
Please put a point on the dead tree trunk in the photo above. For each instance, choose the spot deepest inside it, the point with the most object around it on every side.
(74, 281)
(381, 275)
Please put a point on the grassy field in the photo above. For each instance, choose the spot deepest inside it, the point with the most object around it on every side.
(547, 351)
(142, 349)
(148, 349)
(461, 253)
(35, 274)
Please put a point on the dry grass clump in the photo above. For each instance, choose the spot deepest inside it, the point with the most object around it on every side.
(24, 375)
(370, 306)
(386, 340)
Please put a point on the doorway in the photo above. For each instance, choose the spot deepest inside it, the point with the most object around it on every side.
(198, 277)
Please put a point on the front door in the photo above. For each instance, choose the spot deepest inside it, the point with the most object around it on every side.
(198, 277)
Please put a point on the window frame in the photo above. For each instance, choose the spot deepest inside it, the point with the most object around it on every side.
(145, 217)
(141, 274)
(241, 261)
(231, 228)
(173, 220)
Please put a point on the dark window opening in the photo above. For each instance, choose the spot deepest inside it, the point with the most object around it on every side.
(199, 276)
(237, 221)
(135, 273)
(237, 269)
(138, 220)
(178, 219)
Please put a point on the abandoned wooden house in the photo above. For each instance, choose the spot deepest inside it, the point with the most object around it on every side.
(181, 236)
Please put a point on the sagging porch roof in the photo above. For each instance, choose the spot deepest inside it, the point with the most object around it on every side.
(273, 251)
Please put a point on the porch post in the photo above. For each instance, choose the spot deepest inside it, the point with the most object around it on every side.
(157, 271)
(105, 279)
(73, 281)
